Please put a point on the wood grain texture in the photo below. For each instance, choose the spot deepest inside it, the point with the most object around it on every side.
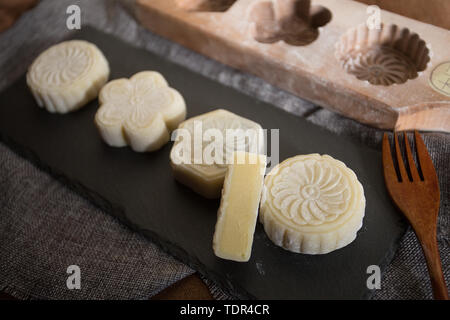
(189, 288)
(10, 11)
(417, 196)
(312, 71)
(435, 12)
(291, 21)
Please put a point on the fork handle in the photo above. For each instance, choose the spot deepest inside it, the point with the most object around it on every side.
(430, 248)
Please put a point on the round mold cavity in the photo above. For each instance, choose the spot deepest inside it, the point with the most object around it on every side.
(295, 22)
(386, 56)
(205, 5)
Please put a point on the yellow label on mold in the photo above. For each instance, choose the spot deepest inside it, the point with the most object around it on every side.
(440, 79)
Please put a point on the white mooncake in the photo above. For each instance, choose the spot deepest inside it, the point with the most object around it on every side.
(139, 112)
(68, 75)
(238, 211)
(312, 204)
(207, 134)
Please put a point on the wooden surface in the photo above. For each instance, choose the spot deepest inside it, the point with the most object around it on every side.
(10, 11)
(434, 12)
(311, 71)
(189, 288)
(418, 198)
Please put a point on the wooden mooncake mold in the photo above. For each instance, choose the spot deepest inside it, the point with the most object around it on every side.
(380, 77)
(191, 168)
(139, 112)
(312, 204)
(205, 5)
(385, 56)
(291, 21)
(66, 76)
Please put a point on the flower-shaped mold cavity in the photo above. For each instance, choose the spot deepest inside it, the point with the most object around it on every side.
(205, 5)
(312, 204)
(292, 21)
(191, 167)
(385, 56)
(139, 112)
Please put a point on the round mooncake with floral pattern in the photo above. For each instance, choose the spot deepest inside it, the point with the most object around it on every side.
(312, 204)
(67, 75)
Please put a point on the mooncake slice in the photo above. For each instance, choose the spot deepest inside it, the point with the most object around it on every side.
(139, 112)
(204, 146)
(68, 75)
(312, 204)
(238, 211)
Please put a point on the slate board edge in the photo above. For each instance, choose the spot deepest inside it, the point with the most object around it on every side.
(389, 256)
(172, 249)
(108, 207)
(383, 264)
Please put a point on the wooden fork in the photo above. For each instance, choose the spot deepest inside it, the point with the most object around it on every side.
(418, 198)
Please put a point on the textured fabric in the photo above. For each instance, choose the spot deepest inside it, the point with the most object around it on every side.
(44, 227)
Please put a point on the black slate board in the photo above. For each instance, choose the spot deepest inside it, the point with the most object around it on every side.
(139, 189)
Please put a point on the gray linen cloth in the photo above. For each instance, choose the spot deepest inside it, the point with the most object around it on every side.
(45, 227)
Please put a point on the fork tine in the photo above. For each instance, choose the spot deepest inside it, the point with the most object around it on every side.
(412, 166)
(401, 166)
(426, 164)
(388, 164)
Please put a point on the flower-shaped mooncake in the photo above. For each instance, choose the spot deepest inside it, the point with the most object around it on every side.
(139, 112)
(312, 204)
